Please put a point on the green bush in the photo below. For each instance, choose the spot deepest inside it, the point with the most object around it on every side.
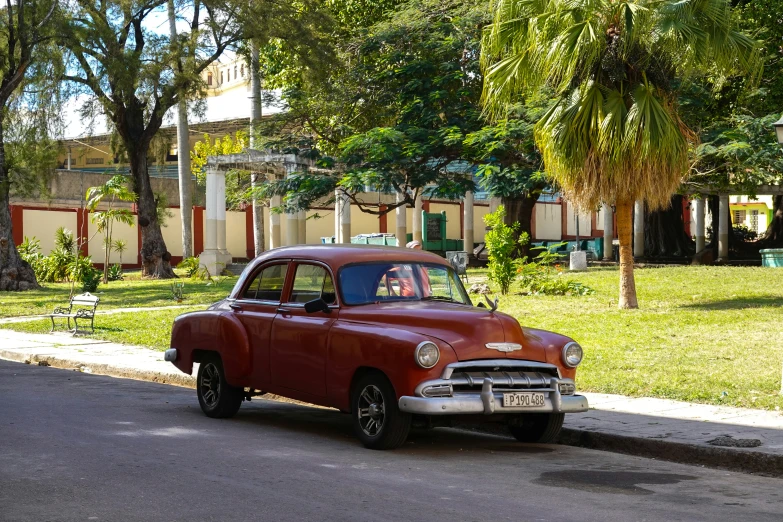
(501, 245)
(90, 279)
(190, 265)
(115, 273)
(543, 275)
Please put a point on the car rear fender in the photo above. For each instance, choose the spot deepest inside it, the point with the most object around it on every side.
(213, 331)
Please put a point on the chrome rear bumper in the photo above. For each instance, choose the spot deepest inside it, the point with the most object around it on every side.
(489, 401)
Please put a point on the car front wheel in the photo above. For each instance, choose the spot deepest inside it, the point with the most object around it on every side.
(537, 427)
(217, 398)
(377, 419)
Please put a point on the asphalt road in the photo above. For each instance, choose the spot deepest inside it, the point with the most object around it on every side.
(85, 447)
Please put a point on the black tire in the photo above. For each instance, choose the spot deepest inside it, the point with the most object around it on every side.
(384, 429)
(537, 427)
(217, 398)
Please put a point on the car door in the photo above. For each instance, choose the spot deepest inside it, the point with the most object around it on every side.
(256, 309)
(300, 340)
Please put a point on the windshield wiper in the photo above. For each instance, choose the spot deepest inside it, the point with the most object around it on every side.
(439, 298)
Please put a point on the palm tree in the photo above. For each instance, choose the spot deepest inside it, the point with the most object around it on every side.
(614, 134)
(113, 191)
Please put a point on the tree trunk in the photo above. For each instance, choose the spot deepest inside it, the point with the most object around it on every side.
(15, 273)
(520, 210)
(155, 259)
(625, 235)
(183, 159)
(773, 237)
(255, 119)
(664, 233)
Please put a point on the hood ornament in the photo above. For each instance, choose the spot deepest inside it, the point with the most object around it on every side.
(504, 347)
(493, 305)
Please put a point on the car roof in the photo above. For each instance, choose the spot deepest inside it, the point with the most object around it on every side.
(338, 255)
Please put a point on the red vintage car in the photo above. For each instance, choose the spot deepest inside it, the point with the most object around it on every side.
(386, 334)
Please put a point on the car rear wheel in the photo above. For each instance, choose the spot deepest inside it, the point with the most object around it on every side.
(217, 398)
(537, 427)
(377, 419)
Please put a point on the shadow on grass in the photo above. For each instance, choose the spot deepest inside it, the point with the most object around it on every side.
(738, 303)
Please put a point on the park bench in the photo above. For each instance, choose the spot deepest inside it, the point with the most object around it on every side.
(79, 307)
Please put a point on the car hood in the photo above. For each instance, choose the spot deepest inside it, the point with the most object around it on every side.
(466, 329)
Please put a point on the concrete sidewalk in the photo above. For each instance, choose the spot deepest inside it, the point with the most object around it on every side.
(715, 436)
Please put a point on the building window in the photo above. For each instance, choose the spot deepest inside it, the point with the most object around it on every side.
(172, 155)
(221, 77)
(242, 70)
(754, 221)
(235, 72)
(739, 217)
(94, 161)
(209, 79)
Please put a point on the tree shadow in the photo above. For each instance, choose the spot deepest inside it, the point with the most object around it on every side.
(738, 303)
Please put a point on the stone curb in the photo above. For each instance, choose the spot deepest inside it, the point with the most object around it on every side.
(734, 459)
(110, 370)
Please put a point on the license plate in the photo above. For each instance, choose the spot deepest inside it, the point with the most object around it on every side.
(525, 400)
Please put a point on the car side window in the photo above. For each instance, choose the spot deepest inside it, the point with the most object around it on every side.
(312, 282)
(267, 284)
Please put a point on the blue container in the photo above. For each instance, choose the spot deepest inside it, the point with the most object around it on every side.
(772, 257)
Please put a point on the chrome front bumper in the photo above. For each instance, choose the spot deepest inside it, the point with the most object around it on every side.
(490, 401)
(170, 355)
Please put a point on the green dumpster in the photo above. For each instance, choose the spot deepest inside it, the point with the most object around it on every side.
(772, 257)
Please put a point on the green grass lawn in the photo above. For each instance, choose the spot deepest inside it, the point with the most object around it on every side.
(702, 334)
(133, 292)
(148, 328)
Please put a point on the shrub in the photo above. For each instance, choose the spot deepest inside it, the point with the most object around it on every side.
(190, 265)
(501, 244)
(90, 279)
(115, 273)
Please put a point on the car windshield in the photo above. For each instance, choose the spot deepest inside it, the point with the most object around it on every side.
(377, 282)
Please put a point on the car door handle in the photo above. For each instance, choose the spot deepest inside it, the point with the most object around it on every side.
(283, 311)
(235, 307)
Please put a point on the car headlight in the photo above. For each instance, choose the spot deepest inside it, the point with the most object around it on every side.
(427, 354)
(572, 354)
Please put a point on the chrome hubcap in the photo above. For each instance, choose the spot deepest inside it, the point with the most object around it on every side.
(371, 410)
(210, 385)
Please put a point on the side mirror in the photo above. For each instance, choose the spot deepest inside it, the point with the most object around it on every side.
(317, 305)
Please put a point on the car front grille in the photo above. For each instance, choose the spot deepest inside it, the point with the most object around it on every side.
(504, 375)
(471, 381)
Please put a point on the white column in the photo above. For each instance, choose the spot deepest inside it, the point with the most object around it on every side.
(467, 220)
(700, 229)
(417, 210)
(345, 219)
(215, 257)
(275, 239)
(220, 213)
(638, 229)
(291, 228)
(723, 227)
(68, 164)
(402, 227)
(338, 210)
(494, 203)
(210, 232)
(608, 232)
(302, 227)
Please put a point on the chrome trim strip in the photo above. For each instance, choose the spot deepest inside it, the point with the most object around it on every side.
(499, 363)
(475, 404)
(170, 355)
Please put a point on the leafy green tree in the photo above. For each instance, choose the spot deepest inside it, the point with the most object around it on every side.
(615, 134)
(115, 190)
(26, 29)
